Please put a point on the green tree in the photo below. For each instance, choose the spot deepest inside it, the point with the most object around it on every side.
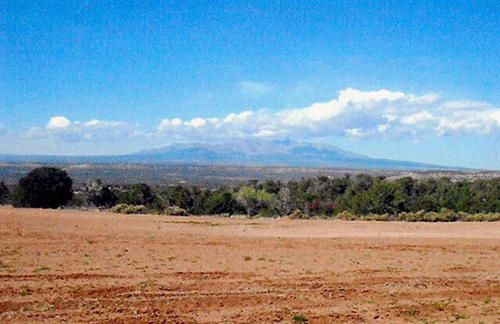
(44, 187)
(137, 194)
(256, 200)
(382, 198)
(179, 196)
(4, 193)
(271, 186)
(221, 202)
(104, 197)
(200, 198)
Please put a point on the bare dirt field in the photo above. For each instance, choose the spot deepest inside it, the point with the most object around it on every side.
(95, 267)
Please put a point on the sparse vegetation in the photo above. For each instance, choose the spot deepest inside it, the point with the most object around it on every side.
(300, 319)
(25, 291)
(40, 269)
(459, 316)
(362, 197)
(421, 216)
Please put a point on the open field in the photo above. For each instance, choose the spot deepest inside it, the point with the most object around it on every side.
(99, 267)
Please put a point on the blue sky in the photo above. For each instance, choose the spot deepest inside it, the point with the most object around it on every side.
(412, 80)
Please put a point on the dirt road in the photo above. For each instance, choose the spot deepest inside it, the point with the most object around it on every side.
(103, 268)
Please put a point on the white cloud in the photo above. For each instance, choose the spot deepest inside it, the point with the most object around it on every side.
(61, 128)
(368, 97)
(383, 127)
(315, 113)
(254, 89)
(232, 117)
(103, 124)
(264, 133)
(176, 122)
(353, 113)
(419, 117)
(355, 132)
(58, 122)
(349, 101)
(466, 121)
(466, 104)
(425, 99)
(196, 122)
(166, 123)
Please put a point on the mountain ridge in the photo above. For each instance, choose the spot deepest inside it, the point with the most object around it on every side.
(241, 152)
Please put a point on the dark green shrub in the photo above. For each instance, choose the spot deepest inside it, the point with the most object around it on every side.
(4, 194)
(222, 202)
(300, 319)
(103, 198)
(43, 188)
(137, 194)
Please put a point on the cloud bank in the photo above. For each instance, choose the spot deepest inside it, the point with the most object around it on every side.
(61, 128)
(354, 113)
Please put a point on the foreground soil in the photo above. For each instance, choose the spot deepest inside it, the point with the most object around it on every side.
(96, 267)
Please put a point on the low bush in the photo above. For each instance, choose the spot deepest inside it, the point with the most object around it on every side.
(297, 214)
(267, 212)
(345, 215)
(175, 211)
(129, 209)
(480, 217)
(421, 216)
(378, 217)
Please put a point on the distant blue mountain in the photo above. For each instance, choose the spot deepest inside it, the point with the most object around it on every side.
(240, 152)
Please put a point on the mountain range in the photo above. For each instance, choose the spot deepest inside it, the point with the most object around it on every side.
(239, 152)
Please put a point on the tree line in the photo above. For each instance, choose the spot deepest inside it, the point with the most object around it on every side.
(361, 195)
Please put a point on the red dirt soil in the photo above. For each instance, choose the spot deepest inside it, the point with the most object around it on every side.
(74, 266)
